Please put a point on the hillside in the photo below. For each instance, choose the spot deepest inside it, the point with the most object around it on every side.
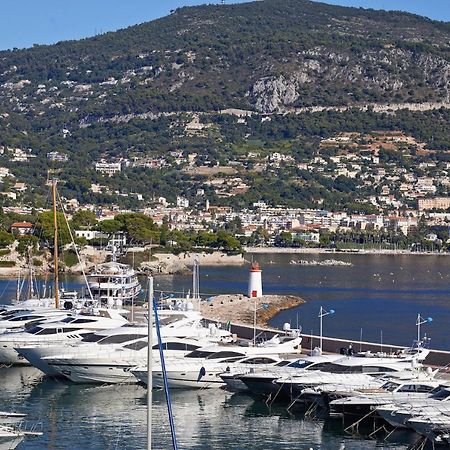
(133, 93)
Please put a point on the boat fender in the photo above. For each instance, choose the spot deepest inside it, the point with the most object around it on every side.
(68, 305)
(201, 373)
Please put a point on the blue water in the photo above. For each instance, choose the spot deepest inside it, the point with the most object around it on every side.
(380, 294)
(80, 417)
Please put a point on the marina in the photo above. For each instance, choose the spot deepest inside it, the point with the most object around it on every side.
(114, 409)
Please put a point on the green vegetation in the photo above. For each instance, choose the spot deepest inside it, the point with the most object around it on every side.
(7, 263)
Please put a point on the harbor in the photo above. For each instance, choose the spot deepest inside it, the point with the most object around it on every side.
(256, 319)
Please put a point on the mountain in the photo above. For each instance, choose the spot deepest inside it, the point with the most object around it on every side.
(134, 91)
(266, 56)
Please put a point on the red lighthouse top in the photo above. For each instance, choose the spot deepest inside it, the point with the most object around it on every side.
(255, 267)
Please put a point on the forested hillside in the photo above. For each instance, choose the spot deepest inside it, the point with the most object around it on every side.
(301, 71)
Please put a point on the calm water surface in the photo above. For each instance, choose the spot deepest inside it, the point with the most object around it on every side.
(380, 294)
(80, 417)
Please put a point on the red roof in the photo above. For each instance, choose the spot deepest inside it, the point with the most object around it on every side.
(22, 225)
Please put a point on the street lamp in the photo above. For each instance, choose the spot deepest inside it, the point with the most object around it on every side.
(420, 321)
(322, 313)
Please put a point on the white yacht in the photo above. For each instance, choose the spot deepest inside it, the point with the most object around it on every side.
(25, 319)
(435, 428)
(360, 369)
(113, 283)
(201, 368)
(398, 413)
(110, 339)
(68, 330)
(110, 360)
(262, 382)
(365, 400)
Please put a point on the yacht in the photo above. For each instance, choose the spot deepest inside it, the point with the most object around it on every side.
(357, 369)
(18, 321)
(231, 377)
(68, 330)
(111, 339)
(262, 382)
(366, 400)
(110, 360)
(435, 428)
(113, 283)
(398, 413)
(201, 369)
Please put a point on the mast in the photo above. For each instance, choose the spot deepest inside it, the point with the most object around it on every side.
(55, 244)
(149, 363)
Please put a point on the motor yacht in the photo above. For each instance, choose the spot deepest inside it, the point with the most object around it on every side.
(435, 428)
(110, 360)
(26, 319)
(356, 369)
(398, 413)
(366, 400)
(261, 382)
(113, 283)
(68, 330)
(201, 369)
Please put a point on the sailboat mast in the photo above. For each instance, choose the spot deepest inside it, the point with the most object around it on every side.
(149, 363)
(55, 244)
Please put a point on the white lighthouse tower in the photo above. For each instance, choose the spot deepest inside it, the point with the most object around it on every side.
(255, 281)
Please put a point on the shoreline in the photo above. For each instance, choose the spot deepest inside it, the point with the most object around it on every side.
(240, 309)
(330, 251)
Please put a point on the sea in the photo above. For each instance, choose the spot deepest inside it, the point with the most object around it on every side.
(377, 297)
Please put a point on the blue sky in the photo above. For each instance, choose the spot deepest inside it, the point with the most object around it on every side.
(27, 22)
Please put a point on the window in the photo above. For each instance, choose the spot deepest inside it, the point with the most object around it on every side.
(259, 360)
(423, 388)
(177, 346)
(84, 321)
(21, 318)
(283, 363)
(119, 339)
(198, 354)
(225, 354)
(91, 337)
(389, 386)
(138, 345)
(47, 331)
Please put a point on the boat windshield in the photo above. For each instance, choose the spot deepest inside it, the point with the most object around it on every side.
(389, 386)
(441, 394)
(300, 364)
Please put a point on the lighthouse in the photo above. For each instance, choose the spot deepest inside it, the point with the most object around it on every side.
(255, 281)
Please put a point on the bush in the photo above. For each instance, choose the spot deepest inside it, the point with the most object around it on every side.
(4, 252)
(7, 263)
(70, 258)
(37, 262)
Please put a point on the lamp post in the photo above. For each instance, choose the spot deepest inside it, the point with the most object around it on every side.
(420, 321)
(322, 313)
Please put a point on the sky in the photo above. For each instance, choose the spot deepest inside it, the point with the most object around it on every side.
(24, 23)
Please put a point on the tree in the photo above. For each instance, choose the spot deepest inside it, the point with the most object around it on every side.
(109, 226)
(84, 219)
(46, 230)
(6, 238)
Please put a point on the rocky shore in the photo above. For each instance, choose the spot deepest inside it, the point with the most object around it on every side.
(240, 309)
(167, 263)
